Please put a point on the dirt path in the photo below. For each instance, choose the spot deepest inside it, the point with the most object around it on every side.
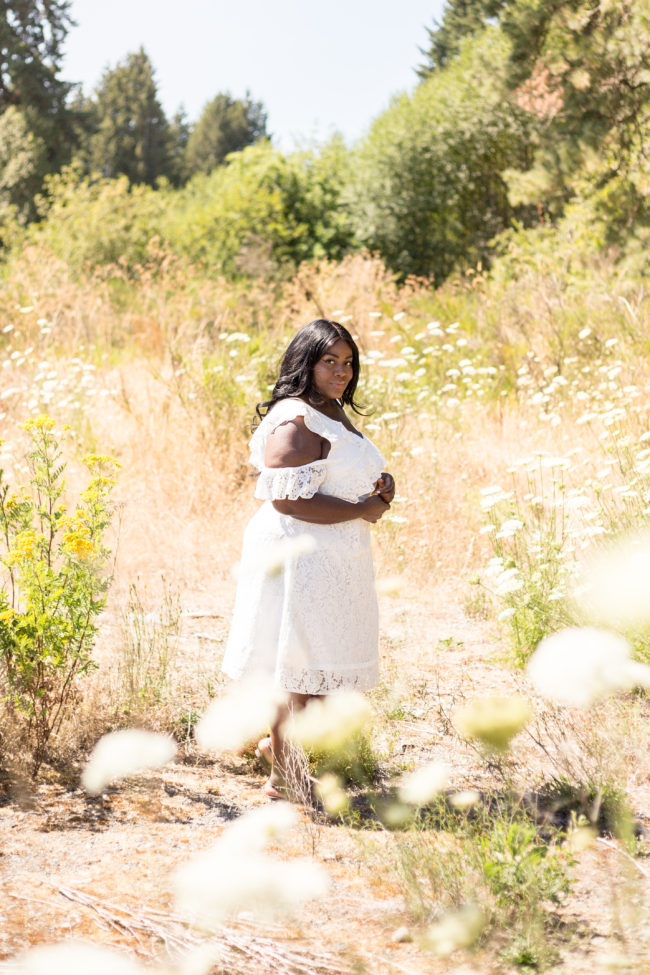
(121, 849)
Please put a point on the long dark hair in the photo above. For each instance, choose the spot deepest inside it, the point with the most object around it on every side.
(305, 349)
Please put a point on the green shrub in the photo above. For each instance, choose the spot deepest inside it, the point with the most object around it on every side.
(56, 587)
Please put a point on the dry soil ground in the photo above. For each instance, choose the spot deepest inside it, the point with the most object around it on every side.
(99, 869)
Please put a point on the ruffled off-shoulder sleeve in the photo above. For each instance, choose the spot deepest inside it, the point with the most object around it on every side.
(275, 483)
(290, 482)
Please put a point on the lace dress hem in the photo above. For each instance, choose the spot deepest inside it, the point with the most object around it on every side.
(319, 681)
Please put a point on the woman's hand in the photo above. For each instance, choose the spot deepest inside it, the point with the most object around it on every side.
(373, 508)
(385, 487)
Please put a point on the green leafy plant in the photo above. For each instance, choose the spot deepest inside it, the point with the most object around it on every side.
(496, 859)
(56, 585)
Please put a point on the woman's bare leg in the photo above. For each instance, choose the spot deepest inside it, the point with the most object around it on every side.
(278, 742)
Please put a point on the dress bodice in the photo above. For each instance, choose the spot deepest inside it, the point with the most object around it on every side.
(350, 470)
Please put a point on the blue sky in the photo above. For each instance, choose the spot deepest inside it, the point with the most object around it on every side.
(317, 67)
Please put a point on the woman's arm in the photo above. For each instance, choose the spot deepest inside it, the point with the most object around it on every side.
(323, 509)
(292, 444)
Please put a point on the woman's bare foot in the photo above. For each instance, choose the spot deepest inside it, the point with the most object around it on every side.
(264, 750)
(274, 789)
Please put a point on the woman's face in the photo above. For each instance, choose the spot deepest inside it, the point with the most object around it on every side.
(333, 371)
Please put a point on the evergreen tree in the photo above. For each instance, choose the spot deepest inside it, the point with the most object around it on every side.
(226, 125)
(460, 19)
(22, 156)
(179, 132)
(580, 69)
(32, 33)
(132, 135)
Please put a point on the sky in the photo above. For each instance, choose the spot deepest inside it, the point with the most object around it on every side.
(318, 67)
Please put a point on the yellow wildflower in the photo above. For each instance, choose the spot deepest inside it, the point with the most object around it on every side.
(40, 422)
(78, 543)
(94, 460)
(95, 487)
(23, 547)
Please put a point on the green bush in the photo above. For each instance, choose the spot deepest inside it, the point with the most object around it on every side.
(263, 210)
(428, 193)
(93, 220)
(56, 586)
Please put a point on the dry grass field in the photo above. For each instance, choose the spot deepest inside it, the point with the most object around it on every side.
(516, 422)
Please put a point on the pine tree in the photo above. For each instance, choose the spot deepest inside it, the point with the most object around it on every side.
(226, 125)
(460, 19)
(32, 33)
(132, 135)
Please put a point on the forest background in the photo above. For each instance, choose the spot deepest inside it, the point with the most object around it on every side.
(529, 120)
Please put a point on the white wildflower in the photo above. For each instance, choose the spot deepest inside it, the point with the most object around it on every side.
(494, 720)
(424, 783)
(246, 711)
(254, 831)
(123, 753)
(509, 528)
(331, 794)
(330, 722)
(581, 665)
(616, 588)
(456, 929)
(75, 958)
(509, 581)
(235, 875)
(465, 799)
(493, 495)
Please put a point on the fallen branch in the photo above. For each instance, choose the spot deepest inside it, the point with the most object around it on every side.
(241, 949)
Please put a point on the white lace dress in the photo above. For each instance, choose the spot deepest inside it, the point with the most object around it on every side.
(306, 610)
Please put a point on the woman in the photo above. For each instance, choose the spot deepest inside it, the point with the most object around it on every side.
(312, 627)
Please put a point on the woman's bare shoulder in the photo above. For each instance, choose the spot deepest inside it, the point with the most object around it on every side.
(292, 444)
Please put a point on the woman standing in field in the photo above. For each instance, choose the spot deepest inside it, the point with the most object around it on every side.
(313, 626)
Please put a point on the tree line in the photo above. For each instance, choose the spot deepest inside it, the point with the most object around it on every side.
(528, 125)
(121, 129)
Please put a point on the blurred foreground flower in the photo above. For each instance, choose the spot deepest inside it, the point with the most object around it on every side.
(245, 711)
(579, 666)
(329, 723)
(424, 783)
(465, 799)
(390, 585)
(257, 829)
(494, 721)
(75, 958)
(457, 929)
(236, 875)
(581, 838)
(331, 794)
(123, 753)
(616, 590)
(272, 559)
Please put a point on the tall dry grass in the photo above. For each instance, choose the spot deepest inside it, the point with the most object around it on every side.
(162, 367)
